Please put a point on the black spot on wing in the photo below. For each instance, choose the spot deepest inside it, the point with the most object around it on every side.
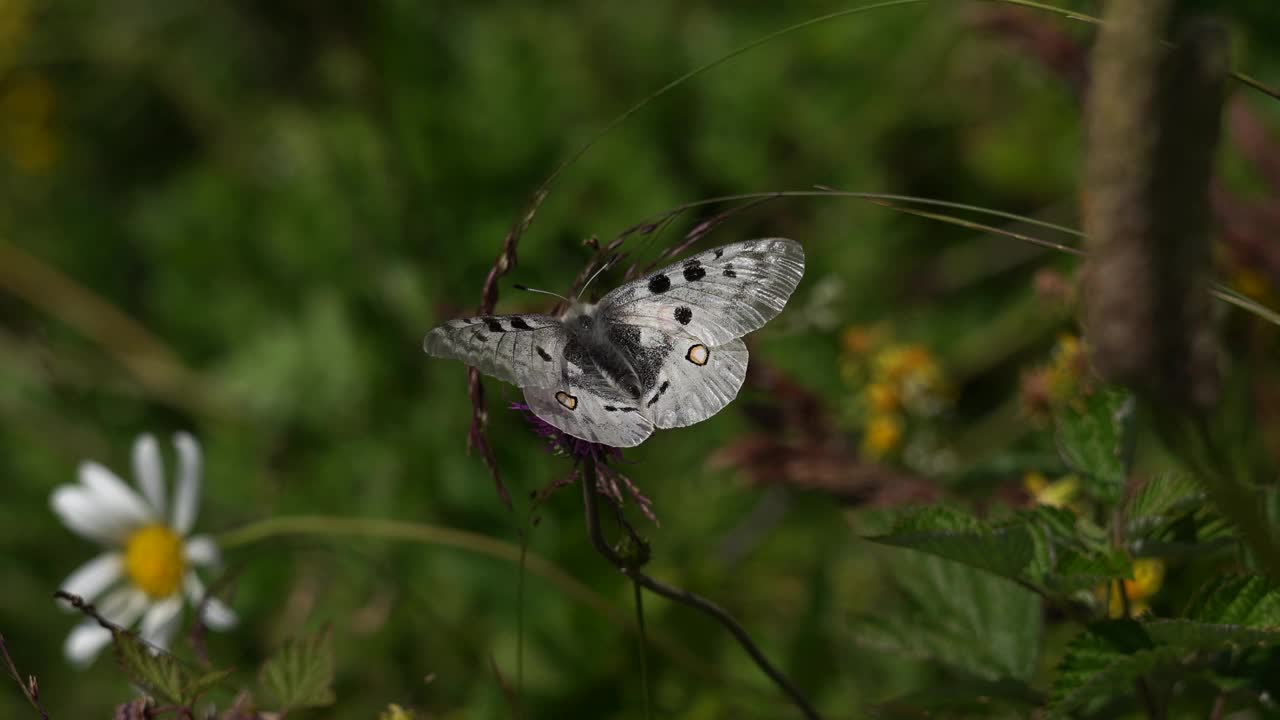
(693, 271)
(493, 325)
(519, 324)
(610, 408)
(543, 354)
(728, 271)
(661, 391)
(684, 315)
(659, 284)
(719, 253)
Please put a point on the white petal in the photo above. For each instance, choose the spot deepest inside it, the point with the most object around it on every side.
(115, 498)
(216, 615)
(201, 551)
(80, 512)
(161, 620)
(85, 642)
(186, 503)
(123, 606)
(91, 579)
(148, 472)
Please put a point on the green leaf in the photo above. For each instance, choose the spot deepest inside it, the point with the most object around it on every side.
(1238, 612)
(300, 674)
(1248, 600)
(969, 620)
(955, 535)
(1103, 662)
(1045, 547)
(1093, 434)
(1159, 501)
(162, 675)
(158, 673)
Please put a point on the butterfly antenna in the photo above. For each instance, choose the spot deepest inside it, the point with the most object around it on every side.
(594, 275)
(544, 292)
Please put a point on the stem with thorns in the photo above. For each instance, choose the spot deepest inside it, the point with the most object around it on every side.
(682, 596)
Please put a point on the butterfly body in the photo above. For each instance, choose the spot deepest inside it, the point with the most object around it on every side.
(661, 351)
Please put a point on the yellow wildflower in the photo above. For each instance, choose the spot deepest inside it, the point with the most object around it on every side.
(1057, 493)
(395, 712)
(882, 397)
(1148, 576)
(900, 361)
(882, 436)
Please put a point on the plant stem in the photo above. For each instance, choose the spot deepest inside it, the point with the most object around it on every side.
(643, 648)
(682, 596)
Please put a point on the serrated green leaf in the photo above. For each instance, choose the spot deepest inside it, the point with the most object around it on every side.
(1160, 500)
(1093, 435)
(1104, 661)
(200, 685)
(159, 674)
(1005, 551)
(1075, 571)
(1246, 600)
(162, 675)
(300, 674)
(958, 616)
(1239, 612)
(1045, 547)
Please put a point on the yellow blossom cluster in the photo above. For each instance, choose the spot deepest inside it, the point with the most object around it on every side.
(1148, 576)
(896, 386)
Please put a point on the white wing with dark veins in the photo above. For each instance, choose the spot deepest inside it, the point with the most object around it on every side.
(525, 350)
(715, 296)
(584, 414)
(696, 381)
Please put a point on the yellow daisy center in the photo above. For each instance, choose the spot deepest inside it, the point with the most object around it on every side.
(153, 560)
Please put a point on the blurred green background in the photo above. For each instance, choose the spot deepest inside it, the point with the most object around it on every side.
(240, 218)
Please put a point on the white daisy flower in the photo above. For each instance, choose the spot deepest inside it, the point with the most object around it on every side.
(147, 569)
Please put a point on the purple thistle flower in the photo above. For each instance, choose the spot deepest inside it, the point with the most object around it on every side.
(562, 443)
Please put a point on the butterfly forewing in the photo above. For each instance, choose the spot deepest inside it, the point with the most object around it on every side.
(521, 349)
(715, 296)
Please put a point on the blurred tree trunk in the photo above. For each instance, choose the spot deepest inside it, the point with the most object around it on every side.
(1152, 131)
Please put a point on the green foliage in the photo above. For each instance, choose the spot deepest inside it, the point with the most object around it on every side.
(1095, 437)
(1239, 613)
(1045, 548)
(300, 674)
(161, 674)
(976, 624)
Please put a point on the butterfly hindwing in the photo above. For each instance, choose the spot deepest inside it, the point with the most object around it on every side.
(583, 414)
(696, 381)
(525, 350)
(715, 296)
